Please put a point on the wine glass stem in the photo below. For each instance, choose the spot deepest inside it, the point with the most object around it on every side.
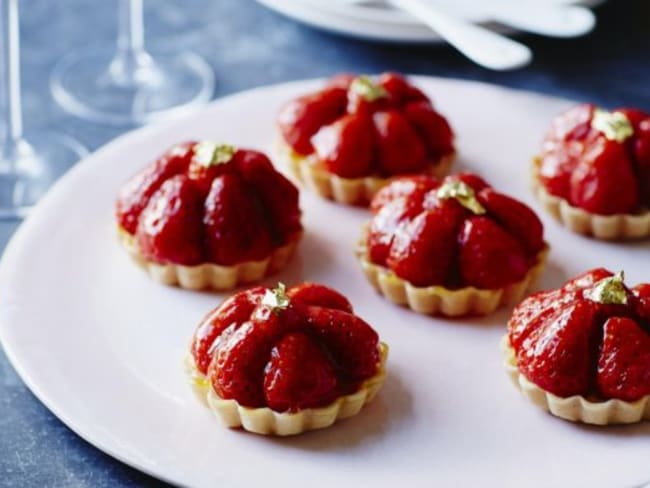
(131, 65)
(10, 85)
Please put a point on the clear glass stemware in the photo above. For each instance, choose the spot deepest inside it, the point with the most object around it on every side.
(127, 85)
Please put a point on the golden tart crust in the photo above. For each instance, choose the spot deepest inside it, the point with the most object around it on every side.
(265, 421)
(605, 227)
(438, 300)
(350, 191)
(210, 275)
(575, 408)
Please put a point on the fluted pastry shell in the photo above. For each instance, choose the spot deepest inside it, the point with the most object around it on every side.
(210, 275)
(438, 300)
(575, 408)
(605, 227)
(350, 191)
(265, 421)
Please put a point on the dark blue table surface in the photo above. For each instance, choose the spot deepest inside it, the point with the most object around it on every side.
(248, 45)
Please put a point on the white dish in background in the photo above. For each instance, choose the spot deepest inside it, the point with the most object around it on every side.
(103, 346)
(380, 22)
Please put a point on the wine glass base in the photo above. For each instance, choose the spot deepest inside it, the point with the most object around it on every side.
(37, 163)
(85, 84)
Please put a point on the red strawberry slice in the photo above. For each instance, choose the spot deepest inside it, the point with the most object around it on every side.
(423, 251)
(279, 197)
(301, 118)
(402, 187)
(399, 148)
(299, 375)
(603, 182)
(574, 124)
(489, 257)
(400, 90)
(473, 180)
(433, 128)
(346, 146)
(320, 296)
(169, 228)
(236, 229)
(558, 356)
(624, 362)
(515, 217)
(384, 226)
(640, 148)
(642, 302)
(351, 342)
(587, 279)
(237, 367)
(234, 311)
(135, 195)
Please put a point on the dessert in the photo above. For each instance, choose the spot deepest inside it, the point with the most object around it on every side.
(206, 215)
(594, 172)
(350, 138)
(285, 361)
(582, 352)
(453, 247)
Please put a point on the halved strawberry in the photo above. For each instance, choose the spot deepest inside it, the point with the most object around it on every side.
(432, 127)
(234, 311)
(603, 181)
(399, 148)
(135, 195)
(624, 362)
(279, 197)
(236, 229)
(346, 146)
(587, 279)
(558, 355)
(423, 251)
(301, 118)
(472, 179)
(640, 148)
(351, 342)
(237, 367)
(169, 228)
(489, 257)
(399, 89)
(402, 187)
(642, 303)
(574, 124)
(299, 375)
(318, 295)
(515, 217)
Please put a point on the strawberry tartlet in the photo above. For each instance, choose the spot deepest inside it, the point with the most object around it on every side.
(582, 352)
(350, 138)
(594, 172)
(453, 247)
(206, 215)
(283, 361)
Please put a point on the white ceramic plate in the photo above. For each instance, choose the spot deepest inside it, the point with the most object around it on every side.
(102, 346)
(382, 22)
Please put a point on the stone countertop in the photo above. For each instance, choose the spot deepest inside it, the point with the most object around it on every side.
(248, 45)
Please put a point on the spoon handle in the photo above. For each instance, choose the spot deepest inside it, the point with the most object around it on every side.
(481, 45)
(546, 18)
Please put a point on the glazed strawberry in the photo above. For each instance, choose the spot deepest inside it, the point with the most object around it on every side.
(134, 196)
(169, 228)
(603, 181)
(388, 127)
(285, 349)
(515, 217)
(300, 119)
(430, 234)
(400, 149)
(230, 314)
(624, 362)
(455, 233)
(598, 161)
(299, 375)
(212, 204)
(589, 338)
(560, 356)
(235, 226)
(489, 257)
(433, 128)
(345, 147)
